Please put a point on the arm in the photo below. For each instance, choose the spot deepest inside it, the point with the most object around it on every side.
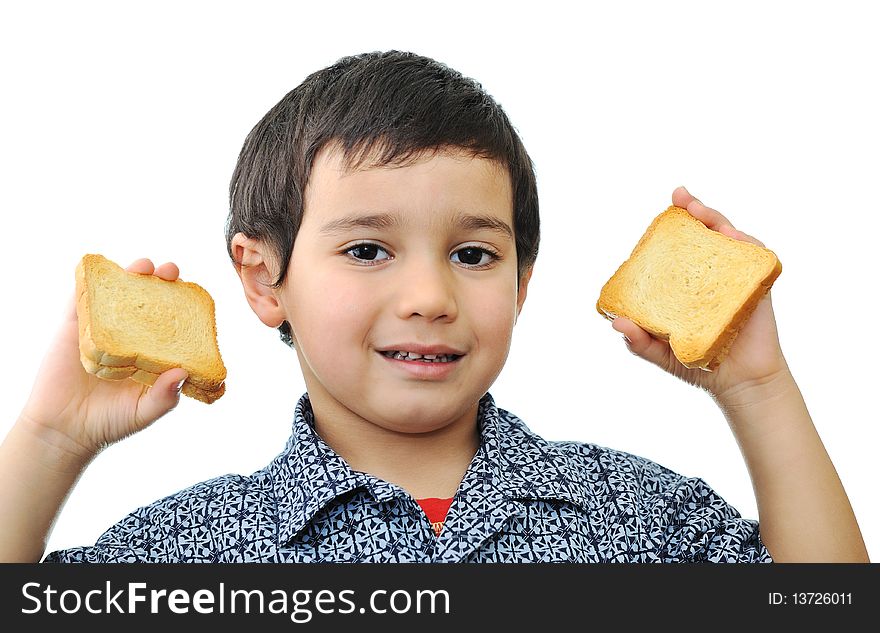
(68, 418)
(804, 512)
(37, 473)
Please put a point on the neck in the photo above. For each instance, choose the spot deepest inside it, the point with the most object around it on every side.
(428, 464)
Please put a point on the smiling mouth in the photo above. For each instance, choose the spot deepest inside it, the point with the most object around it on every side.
(427, 358)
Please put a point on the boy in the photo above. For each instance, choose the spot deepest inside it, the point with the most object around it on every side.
(384, 217)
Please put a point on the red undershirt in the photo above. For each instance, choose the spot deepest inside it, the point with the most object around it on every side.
(436, 510)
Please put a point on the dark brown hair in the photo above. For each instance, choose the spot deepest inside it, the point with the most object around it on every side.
(391, 106)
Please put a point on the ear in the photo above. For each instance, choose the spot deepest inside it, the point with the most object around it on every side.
(523, 289)
(257, 271)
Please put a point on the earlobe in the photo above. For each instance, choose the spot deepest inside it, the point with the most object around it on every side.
(256, 272)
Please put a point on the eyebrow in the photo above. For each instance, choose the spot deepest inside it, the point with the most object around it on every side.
(380, 221)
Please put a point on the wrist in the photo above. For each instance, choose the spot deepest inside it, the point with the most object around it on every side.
(753, 393)
(50, 445)
(768, 418)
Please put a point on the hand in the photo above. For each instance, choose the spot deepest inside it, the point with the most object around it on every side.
(754, 359)
(80, 413)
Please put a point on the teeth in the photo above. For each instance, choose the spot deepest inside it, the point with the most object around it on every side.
(427, 358)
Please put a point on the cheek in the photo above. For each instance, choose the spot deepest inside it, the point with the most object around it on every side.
(492, 315)
(327, 314)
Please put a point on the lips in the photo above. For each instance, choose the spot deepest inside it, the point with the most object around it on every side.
(419, 350)
(424, 358)
(422, 369)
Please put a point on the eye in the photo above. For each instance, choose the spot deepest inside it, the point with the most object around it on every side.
(365, 251)
(473, 256)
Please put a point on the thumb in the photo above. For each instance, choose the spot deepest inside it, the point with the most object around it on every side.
(641, 343)
(163, 396)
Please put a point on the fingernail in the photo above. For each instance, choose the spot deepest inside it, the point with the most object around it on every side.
(626, 338)
(179, 385)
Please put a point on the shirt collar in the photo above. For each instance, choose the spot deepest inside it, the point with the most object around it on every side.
(524, 465)
(512, 461)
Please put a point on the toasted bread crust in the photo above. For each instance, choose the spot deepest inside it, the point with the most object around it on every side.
(106, 358)
(147, 378)
(614, 301)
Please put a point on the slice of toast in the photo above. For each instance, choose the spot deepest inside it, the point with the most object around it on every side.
(137, 326)
(691, 286)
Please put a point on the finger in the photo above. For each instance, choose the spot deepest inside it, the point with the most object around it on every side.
(640, 342)
(708, 216)
(163, 396)
(142, 266)
(681, 197)
(729, 231)
(168, 270)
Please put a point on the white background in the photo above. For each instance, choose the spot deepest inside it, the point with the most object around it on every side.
(121, 124)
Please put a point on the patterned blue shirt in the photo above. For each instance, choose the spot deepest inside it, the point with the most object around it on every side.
(522, 499)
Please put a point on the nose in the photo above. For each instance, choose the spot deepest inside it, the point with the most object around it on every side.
(427, 289)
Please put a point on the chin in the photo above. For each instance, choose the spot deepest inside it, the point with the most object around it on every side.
(411, 416)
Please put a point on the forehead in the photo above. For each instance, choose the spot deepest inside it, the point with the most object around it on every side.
(446, 182)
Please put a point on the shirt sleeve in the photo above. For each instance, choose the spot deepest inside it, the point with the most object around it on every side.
(701, 527)
(116, 545)
(93, 554)
(187, 526)
(147, 535)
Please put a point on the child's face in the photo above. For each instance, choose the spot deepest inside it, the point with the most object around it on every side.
(423, 281)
